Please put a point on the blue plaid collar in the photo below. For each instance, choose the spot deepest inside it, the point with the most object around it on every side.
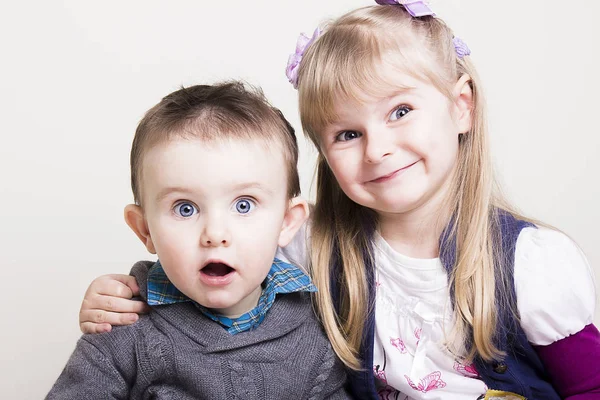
(282, 278)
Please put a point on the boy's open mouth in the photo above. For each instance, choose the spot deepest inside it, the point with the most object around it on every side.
(216, 269)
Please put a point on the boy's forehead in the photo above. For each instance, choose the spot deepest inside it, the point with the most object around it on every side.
(232, 164)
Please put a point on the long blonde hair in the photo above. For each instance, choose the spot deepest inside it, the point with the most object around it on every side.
(342, 63)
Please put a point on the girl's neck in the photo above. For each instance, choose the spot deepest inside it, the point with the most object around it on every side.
(414, 238)
(416, 233)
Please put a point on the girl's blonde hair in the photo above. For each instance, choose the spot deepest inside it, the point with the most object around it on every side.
(342, 64)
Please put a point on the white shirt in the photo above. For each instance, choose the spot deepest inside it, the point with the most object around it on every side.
(555, 297)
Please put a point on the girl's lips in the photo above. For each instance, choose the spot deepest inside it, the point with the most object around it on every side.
(392, 175)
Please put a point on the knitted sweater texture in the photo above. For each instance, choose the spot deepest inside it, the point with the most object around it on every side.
(175, 352)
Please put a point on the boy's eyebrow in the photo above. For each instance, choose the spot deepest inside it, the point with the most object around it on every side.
(234, 188)
(252, 185)
(171, 189)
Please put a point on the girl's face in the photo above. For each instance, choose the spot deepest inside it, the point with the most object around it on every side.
(396, 154)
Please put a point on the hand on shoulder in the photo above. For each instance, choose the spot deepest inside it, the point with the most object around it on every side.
(108, 301)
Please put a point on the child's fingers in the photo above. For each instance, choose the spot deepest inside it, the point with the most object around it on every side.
(117, 285)
(102, 317)
(90, 327)
(114, 304)
(108, 302)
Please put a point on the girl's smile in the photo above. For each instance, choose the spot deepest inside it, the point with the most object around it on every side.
(396, 155)
(392, 175)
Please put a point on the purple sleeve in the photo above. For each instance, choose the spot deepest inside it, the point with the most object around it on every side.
(573, 363)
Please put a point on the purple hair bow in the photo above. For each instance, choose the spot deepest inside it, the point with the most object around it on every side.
(416, 8)
(461, 47)
(294, 60)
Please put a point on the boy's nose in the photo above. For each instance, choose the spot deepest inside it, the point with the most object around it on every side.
(215, 234)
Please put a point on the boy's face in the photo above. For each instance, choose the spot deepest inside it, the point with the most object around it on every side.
(215, 213)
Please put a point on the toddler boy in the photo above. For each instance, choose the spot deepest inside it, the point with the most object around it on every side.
(215, 184)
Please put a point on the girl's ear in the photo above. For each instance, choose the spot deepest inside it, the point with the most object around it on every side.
(463, 102)
(295, 216)
(134, 216)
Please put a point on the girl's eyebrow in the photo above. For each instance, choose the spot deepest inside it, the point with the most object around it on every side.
(400, 91)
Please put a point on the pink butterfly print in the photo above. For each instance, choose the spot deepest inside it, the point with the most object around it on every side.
(418, 334)
(399, 344)
(379, 373)
(430, 382)
(467, 370)
(387, 393)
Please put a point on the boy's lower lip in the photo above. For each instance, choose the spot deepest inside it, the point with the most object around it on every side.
(393, 174)
(216, 281)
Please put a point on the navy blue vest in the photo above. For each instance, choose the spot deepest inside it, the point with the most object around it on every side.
(520, 372)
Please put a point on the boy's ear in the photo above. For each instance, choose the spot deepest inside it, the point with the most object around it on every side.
(134, 216)
(295, 216)
(463, 101)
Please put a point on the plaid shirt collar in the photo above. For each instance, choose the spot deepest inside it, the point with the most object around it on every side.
(282, 278)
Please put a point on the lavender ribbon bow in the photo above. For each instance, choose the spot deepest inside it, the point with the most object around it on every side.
(461, 47)
(294, 60)
(416, 8)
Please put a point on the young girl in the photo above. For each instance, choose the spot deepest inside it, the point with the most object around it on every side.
(430, 285)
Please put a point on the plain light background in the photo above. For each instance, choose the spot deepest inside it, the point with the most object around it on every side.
(77, 76)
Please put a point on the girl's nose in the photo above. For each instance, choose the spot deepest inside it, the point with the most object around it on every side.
(377, 147)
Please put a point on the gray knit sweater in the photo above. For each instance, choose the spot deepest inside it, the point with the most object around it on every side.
(175, 352)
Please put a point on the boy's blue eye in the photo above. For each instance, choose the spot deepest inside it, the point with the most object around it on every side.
(347, 136)
(185, 209)
(399, 113)
(244, 206)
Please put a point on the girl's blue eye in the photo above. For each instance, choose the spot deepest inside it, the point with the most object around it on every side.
(185, 209)
(347, 136)
(244, 206)
(399, 113)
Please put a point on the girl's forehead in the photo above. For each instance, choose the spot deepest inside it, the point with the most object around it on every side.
(384, 79)
(383, 88)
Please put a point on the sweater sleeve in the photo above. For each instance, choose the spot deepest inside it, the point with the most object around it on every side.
(89, 374)
(556, 300)
(330, 379)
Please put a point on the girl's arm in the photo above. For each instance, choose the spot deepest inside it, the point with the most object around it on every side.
(573, 362)
(556, 297)
(107, 302)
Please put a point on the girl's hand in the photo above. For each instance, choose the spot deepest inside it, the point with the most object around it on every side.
(108, 302)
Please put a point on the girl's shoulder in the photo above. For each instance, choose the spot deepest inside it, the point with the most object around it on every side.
(556, 291)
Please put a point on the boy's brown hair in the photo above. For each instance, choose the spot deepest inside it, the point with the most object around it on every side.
(227, 110)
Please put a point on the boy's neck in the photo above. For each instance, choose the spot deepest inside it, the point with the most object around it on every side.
(246, 304)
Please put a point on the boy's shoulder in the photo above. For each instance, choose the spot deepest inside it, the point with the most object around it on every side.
(289, 345)
(140, 272)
